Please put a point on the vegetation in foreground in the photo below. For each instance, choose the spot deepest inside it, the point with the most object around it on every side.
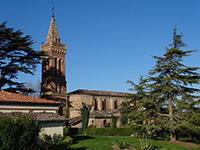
(18, 133)
(105, 142)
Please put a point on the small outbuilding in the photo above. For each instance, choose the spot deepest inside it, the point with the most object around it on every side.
(45, 111)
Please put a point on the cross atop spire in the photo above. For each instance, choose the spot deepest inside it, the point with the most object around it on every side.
(53, 8)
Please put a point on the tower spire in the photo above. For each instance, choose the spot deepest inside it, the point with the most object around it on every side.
(53, 35)
(53, 8)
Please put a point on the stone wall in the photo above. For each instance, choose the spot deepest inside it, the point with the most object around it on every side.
(107, 104)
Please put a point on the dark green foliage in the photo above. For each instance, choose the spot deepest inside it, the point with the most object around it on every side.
(124, 112)
(50, 141)
(167, 100)
(114, 121)
(74, 131)
(138, 101)
(109, 131)
(20, 132)
(165, 135)
(85, 112)
(16, 55)
(190, 128)
(66, 131)
(71, 131)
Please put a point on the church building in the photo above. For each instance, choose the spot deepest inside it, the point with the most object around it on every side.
(53, 87)
(102, 105)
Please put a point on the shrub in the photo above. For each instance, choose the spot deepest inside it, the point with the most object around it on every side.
(68, 140)
(19, 132)
(56, 141)
(120, 144)
(114, 121)
(109, 131)
(66, 131)
(50, 141)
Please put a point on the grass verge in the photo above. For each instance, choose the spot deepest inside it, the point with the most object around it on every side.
(105, 142)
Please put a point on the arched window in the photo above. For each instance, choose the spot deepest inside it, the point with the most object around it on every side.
(104, 104)
(60, 88)
(56, 87)
(104, 123)
(115, 104)
(57, 39)
(55, 67)
(59, 67)
(95, 104)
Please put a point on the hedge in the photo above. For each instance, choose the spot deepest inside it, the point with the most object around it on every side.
(109, 131)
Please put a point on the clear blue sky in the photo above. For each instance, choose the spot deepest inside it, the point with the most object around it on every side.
(108, 41)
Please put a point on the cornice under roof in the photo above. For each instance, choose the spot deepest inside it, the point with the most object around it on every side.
(99, 93)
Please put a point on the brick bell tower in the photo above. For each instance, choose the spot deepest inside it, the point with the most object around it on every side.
(53, 84)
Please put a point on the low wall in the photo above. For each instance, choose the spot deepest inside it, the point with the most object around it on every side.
(51, 128)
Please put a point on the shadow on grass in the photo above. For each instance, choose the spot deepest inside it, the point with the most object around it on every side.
(78, 138)
(80, 148)
(191, 141)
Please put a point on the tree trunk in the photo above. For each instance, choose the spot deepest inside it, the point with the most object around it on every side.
(172, 132)
(171, 119)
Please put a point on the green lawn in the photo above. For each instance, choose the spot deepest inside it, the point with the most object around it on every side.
(104, 143)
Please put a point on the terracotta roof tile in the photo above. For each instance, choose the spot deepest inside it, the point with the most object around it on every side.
(49, 117)
(99, 114)
(99, 93)
(13, 97)
(74, 120)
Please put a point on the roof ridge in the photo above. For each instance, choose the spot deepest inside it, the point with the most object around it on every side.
(101, 91)
(6, 96)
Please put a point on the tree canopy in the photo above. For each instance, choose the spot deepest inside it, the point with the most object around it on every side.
(167, 100)
(16, 55)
